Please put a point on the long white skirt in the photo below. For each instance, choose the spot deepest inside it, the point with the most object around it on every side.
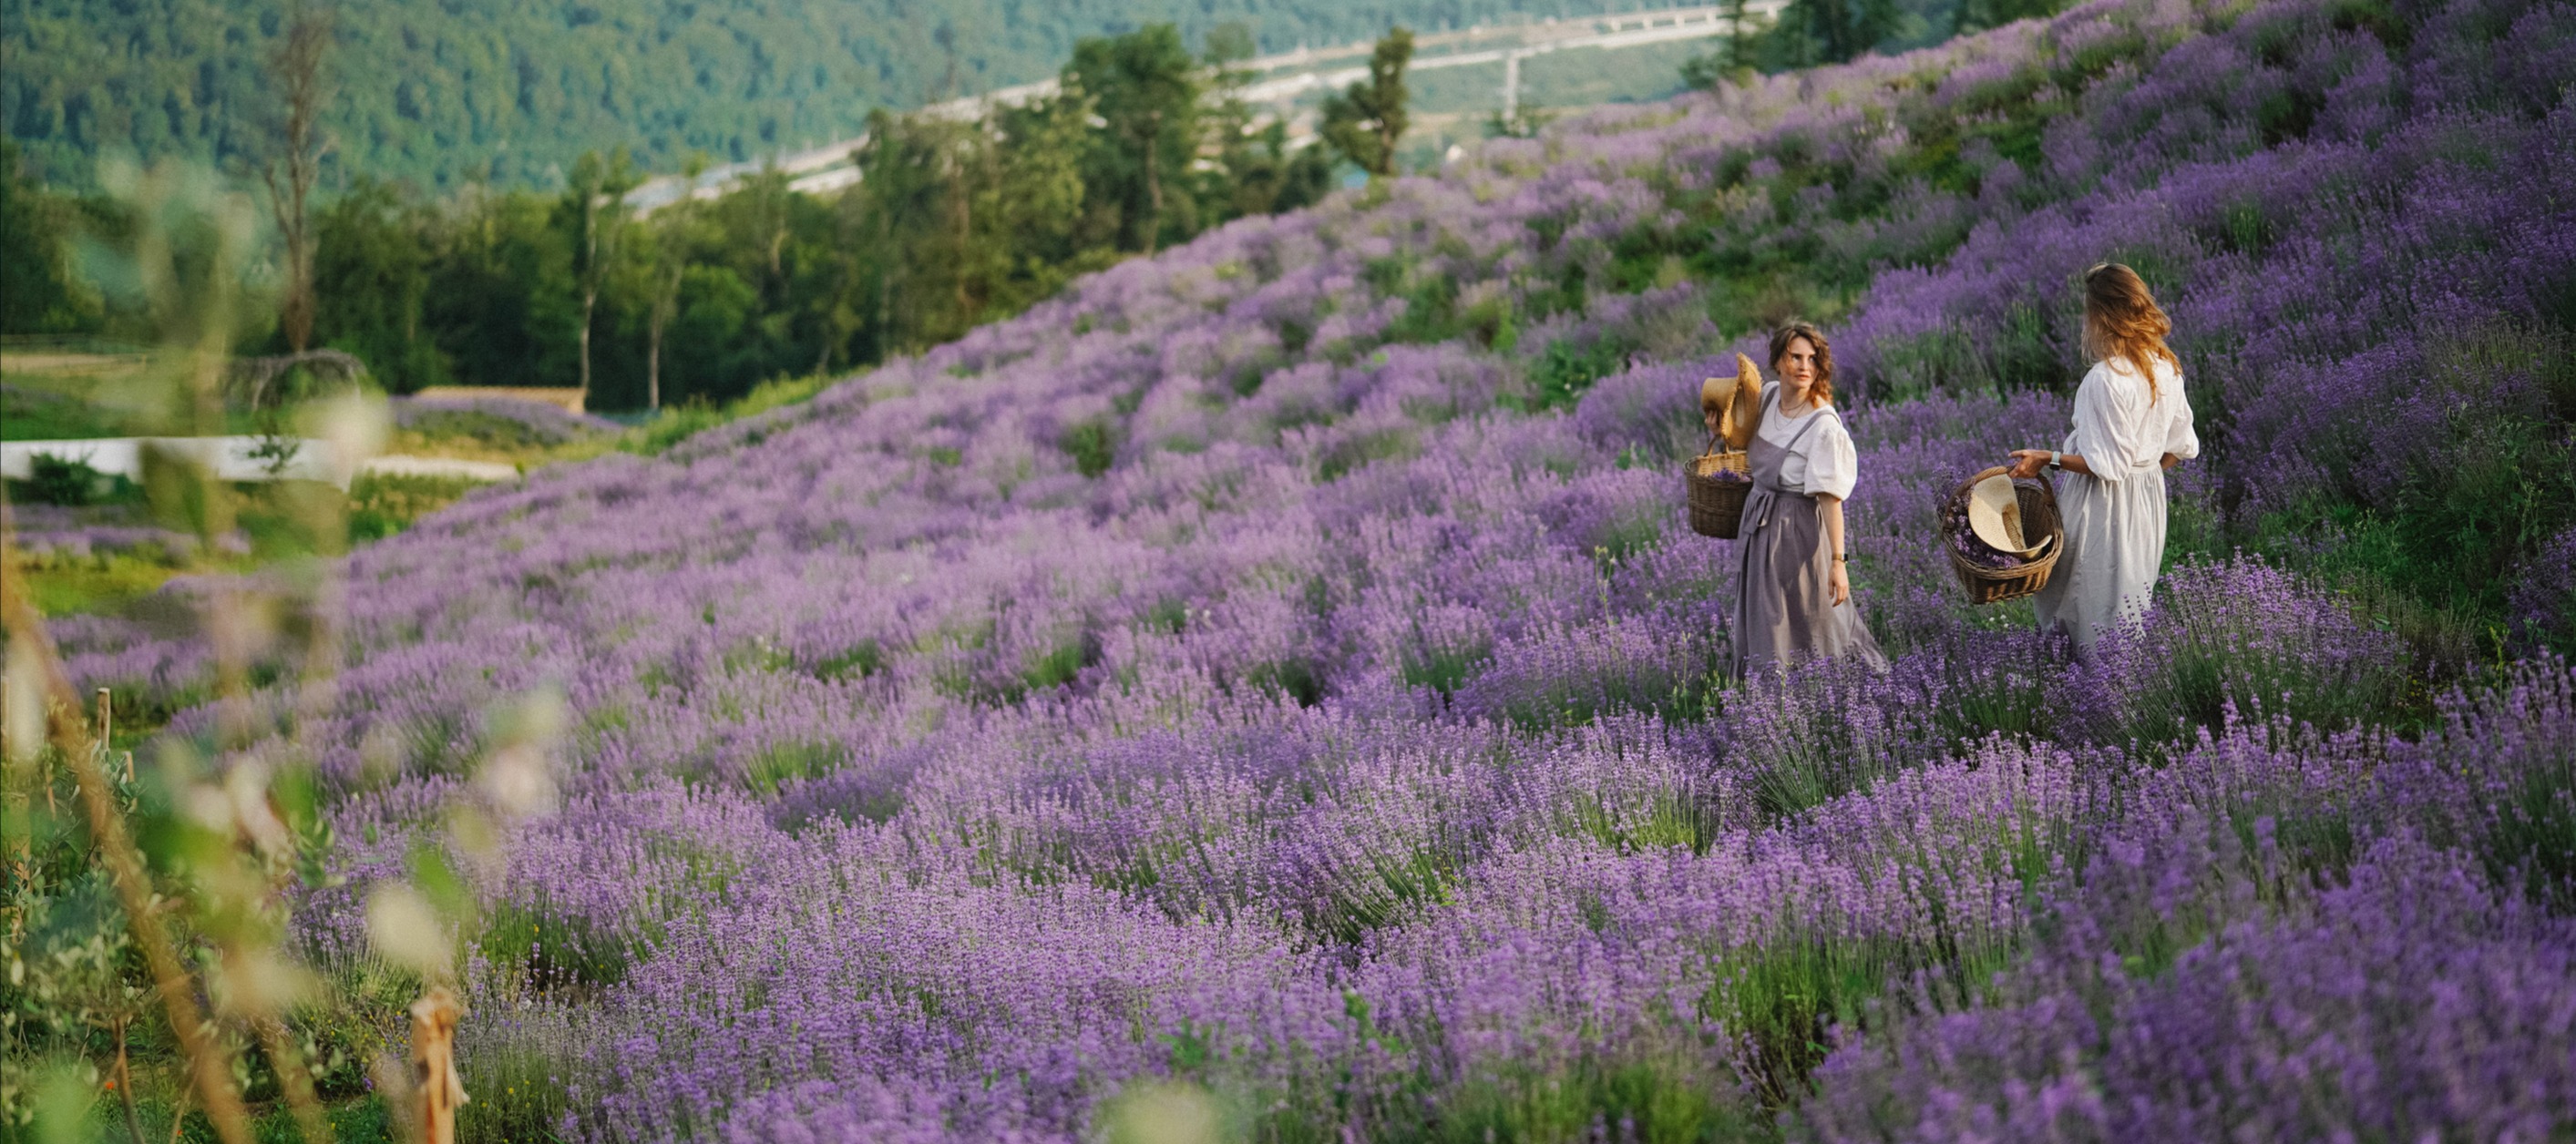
(2115, 543)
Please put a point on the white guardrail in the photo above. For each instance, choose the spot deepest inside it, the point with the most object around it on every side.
(239, 459)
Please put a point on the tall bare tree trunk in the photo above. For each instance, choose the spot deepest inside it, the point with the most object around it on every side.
(961, 192)
(589, 302)
(1153, 181)
(296, 67)
(668, 301)
(653, 367)
(885, 276)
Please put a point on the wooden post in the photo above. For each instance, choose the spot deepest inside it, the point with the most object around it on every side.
(437, 1091)
(107, 732)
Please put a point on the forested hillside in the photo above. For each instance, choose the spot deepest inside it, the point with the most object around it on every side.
(440, 94)
(953, 224)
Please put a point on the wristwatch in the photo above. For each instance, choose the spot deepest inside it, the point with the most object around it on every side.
(2053, 457)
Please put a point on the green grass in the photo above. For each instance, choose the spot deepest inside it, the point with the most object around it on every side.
(519, 1096)
(784, 763)
(554, 950)
(1442, 668)
(857, 662)
(1654, 1102)
(97, 1116)
(381, 505)
(1092, 444)
(121, 398)
(66, 586)
(675, 425)
(35, 415)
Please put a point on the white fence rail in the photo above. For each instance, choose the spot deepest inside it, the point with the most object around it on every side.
(239, 459)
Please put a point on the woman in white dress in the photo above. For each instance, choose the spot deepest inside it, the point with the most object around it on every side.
(2132, 422)
(1793, 593)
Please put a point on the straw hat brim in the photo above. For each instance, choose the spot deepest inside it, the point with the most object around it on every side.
(1994, 514)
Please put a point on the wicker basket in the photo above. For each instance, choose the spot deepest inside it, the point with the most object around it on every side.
(2039, 524)
(1717, 506)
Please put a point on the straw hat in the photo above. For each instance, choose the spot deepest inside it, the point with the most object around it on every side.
(1714, 393)
(1994, 514)
(1734, 401)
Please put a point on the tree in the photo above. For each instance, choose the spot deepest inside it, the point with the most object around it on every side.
(39, 292)
(676, 233)
(1738, 53)
(1977, 15)
(1832, 31)
(1365, 123)
(296, 162)
(1254, 171)
(594, 216)
(373, 253)
(1028, 243)
(916, 183)
(502, 296)
(758, 212)
(1228, 44)
(1145, 87)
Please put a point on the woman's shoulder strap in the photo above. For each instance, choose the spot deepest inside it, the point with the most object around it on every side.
(1814, 417)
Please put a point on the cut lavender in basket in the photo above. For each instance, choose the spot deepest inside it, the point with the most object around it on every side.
(1963, 540)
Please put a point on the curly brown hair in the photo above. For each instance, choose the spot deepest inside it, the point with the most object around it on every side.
(2121, 320)
(1791, 331)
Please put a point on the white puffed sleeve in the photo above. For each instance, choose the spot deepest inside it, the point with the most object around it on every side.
(2181, 438)
(2111, 433)
(1833, 465)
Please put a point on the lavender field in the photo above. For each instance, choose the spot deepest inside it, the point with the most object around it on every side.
(1270, 688)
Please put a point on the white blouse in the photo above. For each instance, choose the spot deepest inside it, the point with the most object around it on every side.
(2120, 431)
(1823, 462)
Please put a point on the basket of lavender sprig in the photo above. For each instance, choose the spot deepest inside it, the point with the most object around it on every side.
(1718, 483)
(1992, 575)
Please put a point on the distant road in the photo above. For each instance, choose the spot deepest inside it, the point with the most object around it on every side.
(1282, 78)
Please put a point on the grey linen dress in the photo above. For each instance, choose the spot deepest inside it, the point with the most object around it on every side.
(1784, 589)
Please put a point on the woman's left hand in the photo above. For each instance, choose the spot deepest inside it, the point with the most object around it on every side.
(1839, 581)
(2027, 463)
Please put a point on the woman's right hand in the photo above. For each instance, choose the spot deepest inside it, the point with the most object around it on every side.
(2027, 463)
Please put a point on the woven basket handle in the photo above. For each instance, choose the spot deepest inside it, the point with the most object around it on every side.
(1710, 449)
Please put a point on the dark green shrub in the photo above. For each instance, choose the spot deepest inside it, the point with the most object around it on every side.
(68, 481)
(1092, 445)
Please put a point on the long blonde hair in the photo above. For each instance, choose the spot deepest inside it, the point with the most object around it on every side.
(2121, 320)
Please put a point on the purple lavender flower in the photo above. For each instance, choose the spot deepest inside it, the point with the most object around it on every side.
(1195, 686)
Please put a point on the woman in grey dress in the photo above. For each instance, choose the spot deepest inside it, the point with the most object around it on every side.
(1793, 590)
